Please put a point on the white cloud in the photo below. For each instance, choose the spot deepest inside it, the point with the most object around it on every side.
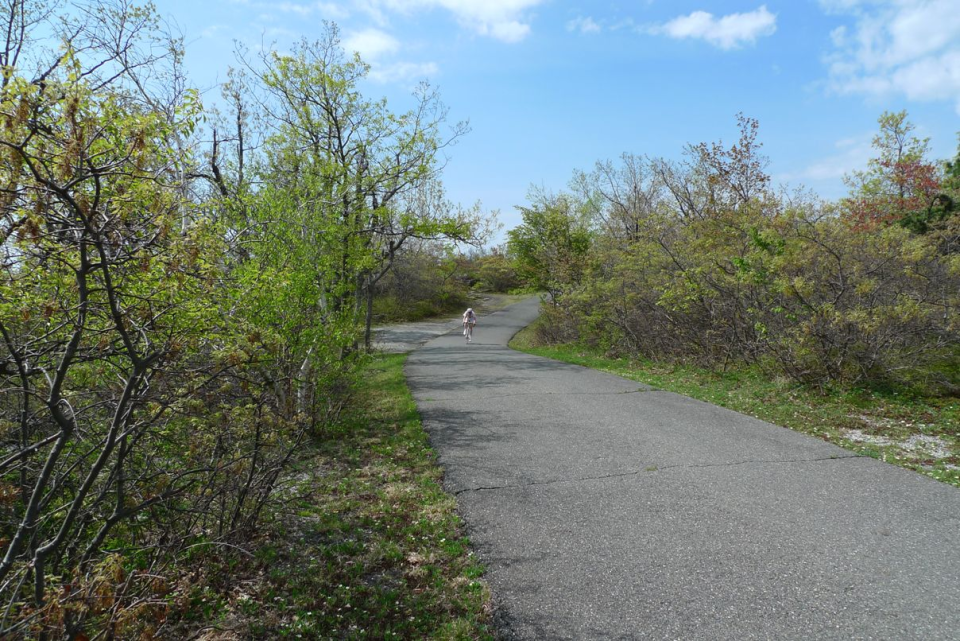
(908, 47)
(839, 36)
(372, 44)
(403, 71)
(727, 32)
(302, 10)
(281, 32)
(511, 31)
(506, 20)
(626, 23)
(851, 155)
(583, 25)
(325, 10)
(376, 47)
(373, 10)
(331, 11)
(840, 6)
(214, 31)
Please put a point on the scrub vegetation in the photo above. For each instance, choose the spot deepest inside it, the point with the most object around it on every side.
(185, 299)
(364, 543)
(433, 281)
(836, 318)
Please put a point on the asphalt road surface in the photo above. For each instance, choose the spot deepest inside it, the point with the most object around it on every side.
(604, 509)
(406, 337)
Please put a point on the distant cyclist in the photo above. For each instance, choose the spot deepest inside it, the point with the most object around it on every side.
(469, 321)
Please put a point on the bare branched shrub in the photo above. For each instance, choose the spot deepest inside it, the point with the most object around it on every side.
(139, 416)
(701, 261)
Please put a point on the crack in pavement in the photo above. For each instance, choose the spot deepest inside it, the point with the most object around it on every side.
(654, 468)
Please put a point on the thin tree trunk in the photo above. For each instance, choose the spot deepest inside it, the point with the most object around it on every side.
(369, 317)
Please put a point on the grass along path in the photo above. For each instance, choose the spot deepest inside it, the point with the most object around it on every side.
(368, 546)
(921, 434)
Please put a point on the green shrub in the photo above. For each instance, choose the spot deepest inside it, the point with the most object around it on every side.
(712, 267)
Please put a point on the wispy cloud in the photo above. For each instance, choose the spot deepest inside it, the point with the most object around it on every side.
(281, 32)
(584, 25)
(331, 10)
(377, 48)
(372, 44)
(214, 31)
(908, 47)
(302, 10)
(726, 32)
(505, 20)
(850, 154)
(403, 72)
(324, 10)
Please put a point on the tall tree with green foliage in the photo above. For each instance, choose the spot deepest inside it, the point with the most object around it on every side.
(900, 184)
(343, 183)
(551, 245)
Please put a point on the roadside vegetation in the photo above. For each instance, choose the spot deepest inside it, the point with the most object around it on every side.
(430, 280)
(364, 542)
(839, 319)
(186, 296)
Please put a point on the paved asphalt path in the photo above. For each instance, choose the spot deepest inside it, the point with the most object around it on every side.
(405, 337)
(604, 509)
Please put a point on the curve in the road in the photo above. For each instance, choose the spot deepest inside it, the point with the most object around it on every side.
(604, 509)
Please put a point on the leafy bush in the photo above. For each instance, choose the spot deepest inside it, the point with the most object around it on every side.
(713, 267)
(422, 284)
(172, 327)
(138, 417)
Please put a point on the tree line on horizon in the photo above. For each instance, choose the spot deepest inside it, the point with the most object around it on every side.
(705, 261)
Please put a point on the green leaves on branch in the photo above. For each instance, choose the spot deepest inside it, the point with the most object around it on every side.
(346, 183)
(901, 185)
(550, 247)
(172, 326)
(701, 261)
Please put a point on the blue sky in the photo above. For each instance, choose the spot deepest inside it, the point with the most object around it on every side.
(550, 86)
